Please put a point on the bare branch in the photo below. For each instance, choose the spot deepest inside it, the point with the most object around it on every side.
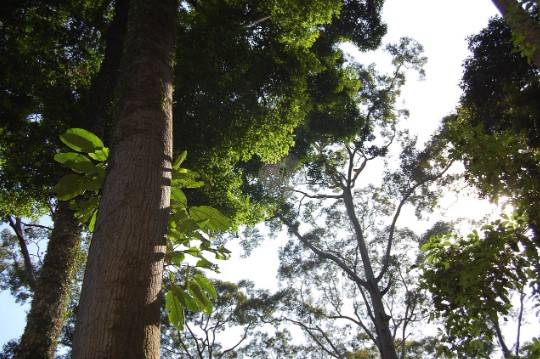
(406, 196)
(37, 226)
(321, 253)
(317, 196)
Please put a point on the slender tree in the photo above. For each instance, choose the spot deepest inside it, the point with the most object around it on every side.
(340, 250)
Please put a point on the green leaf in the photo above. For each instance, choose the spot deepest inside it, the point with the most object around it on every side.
(178, 197)
(92, 224)
(186, 299)
(75, 161)
(177, 257)
(175, 310)
(81, 140)
(216, 220)
(205, 263)
(179, 160)
(187, 225)
(100, 155)
(204, 303)
(69, 187)
(206, 285)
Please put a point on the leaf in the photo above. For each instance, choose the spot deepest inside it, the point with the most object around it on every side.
(205, 263)
(204, 303)
(175, 310)
(187, 225)
(178, 197)
(186, 299)
(92, 224)
(177, 257)
(75, 161)
(206, 285)
(69, 187)
(179, 160)
(217, 221)
(100, 155)
(81, 140)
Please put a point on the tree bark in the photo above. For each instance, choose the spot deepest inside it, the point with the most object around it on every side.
(51, 294)
(119, 309)
(46, 317)
(16, 224)
(522, 23)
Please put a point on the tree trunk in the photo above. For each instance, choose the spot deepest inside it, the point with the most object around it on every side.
(16, 224)
(46, 317)
(381, 319)
(521, 23)
(119, 309)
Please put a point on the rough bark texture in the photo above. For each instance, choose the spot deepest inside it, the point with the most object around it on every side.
(119, 310)
(522, 23)
(46, 316)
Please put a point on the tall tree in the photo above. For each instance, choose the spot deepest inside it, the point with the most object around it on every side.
(119, 308)
(132, 283)
(338, 250)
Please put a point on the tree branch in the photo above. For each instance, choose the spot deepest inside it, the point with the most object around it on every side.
(386, 260)
(16, 224)
(323, 254)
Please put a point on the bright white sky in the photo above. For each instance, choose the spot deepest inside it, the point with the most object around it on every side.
(441, 26)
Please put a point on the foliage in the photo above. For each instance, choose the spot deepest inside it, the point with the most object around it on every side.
(13, 275)
(472, 280)
(252, 92)
(495, 132)
(88, 164)
(50, 51)
(187, 225)
(230, 331)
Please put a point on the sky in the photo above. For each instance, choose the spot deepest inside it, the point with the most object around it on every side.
(441, 27)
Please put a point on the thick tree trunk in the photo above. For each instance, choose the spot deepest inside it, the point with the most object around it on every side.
(46, 316)
(381, 319)
(521, 23)
(119, 310)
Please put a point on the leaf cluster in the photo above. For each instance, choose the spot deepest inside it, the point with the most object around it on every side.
(472, 279)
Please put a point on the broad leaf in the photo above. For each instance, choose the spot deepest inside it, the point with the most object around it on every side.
(175, 310)
(216, 220)
(81, 140)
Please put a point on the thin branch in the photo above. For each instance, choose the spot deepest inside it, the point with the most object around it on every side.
(386, 260)
(520, 319)
(506, 352)
(317, 196)
(308, 329)
(37, 226)
(323, 254)
(244, 336)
